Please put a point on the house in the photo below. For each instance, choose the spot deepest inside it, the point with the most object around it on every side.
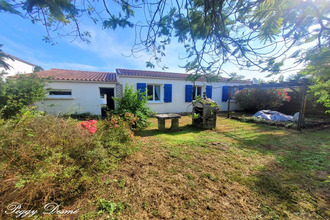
(17, 65)
(74, 91)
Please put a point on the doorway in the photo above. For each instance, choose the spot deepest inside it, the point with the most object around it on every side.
(106, 95)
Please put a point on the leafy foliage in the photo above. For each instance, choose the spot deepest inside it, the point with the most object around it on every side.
(4, 56)
(260, 99)
(212, 32)
(134, 103)
(17, 93)
(37, 69)
(259, 35)
(110, 207)
(46, 158)
(205, 101)
(319, 71)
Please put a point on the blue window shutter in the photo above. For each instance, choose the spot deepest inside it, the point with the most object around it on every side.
(209, 92)
(142, 87)
(224, 93)
(189, 91)
(167, 92)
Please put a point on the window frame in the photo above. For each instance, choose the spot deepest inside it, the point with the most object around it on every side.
(60, 90)
(196, 91)
(154, 92)
(59, 96)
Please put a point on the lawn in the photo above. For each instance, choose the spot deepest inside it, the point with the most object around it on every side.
(237, 171)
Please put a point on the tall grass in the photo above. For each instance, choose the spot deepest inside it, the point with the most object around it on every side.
(46, 158)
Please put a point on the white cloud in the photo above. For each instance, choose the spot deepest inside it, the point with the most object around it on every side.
(115, 52)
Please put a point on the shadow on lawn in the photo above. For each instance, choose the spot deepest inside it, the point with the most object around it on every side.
(291, 184)
(182, 130)
(295, 181)
(283, 191)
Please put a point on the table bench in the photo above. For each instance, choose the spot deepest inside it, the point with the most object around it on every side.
(162, 117)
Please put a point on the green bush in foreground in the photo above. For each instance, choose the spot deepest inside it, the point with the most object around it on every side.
(18, 93)
(46, 158)
(134, 103)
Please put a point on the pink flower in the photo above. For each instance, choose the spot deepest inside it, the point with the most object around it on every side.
(84, 124)
(89, 125)
(92, 122)
(92, 130)
(116, 125)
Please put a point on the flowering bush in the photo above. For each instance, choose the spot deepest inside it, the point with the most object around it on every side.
(121, 125)
(259, 99)
(48, 158)
(90, 126)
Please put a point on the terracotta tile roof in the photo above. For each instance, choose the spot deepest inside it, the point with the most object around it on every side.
(167, 75)
(152, 74)
(77, 75)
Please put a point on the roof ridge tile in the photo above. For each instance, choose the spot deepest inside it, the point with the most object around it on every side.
(64, 74)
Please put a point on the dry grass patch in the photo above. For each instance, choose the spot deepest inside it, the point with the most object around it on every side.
(161, 184)
(238, 170)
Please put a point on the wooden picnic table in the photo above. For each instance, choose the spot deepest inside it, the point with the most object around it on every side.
(162, 117)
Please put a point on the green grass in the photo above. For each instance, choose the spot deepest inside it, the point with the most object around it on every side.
(237, 171)
(282, 170)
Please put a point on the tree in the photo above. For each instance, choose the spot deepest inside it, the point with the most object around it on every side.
(213, 32)
(3, 57)
(257, 34)
(37, 69)
(318, 69)
(17, 93)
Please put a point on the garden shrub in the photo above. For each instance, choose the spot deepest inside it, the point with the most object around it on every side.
(83, 116)
(260, 99)
(47, 158)
(134, 103)
(17, 93)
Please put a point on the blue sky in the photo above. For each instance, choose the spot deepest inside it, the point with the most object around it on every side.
(107, 51)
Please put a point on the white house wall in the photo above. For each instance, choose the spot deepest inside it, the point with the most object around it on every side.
(178, 104)
(17, 67)
(85, 98)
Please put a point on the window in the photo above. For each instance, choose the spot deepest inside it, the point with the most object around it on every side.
(60, 92)
(153, 92)
(197, 91)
